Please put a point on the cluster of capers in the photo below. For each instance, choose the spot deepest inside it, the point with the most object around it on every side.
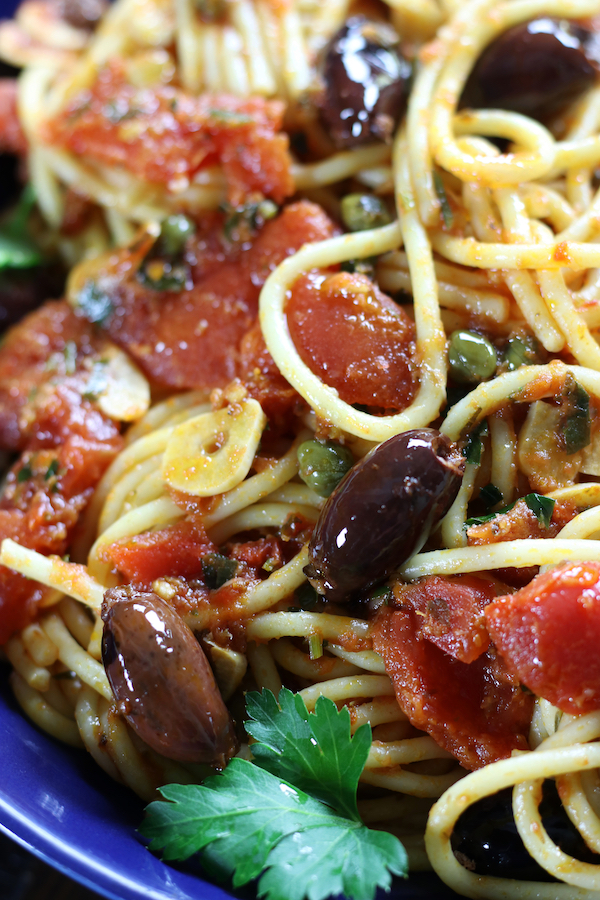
(472, 358)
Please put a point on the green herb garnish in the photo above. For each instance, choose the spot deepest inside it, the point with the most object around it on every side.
(24, 473)
(17, 249)
(95, 303)
(52, 470)
(541, 506)
(473, 449)
(290, 819)
(217, 569)
(575, 424)
(490, 495)
(447, 214)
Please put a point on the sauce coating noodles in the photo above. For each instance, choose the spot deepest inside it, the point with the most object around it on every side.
(280, 265)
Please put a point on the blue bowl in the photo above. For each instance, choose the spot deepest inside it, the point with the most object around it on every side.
(56, 802)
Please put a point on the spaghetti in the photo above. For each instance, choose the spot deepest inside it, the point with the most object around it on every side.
(209, 275)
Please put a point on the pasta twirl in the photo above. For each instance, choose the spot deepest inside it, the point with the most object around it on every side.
(259, 299)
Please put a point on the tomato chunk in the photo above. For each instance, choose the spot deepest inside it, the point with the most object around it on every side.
(476, 711)
(44, 496)
(191, 339)
(164, 135)
(549, 632)
(44, 365)
(173, 551)
(354, 338)
(12, 139)
(450, 612)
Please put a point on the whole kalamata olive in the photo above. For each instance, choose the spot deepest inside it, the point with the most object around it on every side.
(366, 83)
(485, 837)
(534, 68)
(162, 680)
(382, 512)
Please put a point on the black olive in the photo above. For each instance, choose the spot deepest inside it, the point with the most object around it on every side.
(486, 840)
(382, 512)
(535, 68)
(366, 83)
(84, 14)
(162, 680)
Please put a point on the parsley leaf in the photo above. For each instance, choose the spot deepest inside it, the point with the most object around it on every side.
(315, 751)
(17, 249)
(473, 449)
(252, 822)
(542, 507)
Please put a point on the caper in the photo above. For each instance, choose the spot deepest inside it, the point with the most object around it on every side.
(211, 10)
(174, 232)
(472, 357)
(520, 352)
(323, 464)
(360, 212)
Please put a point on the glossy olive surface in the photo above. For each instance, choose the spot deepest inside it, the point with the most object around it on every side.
(366, 82)
(535, 68)
(382, 512)
(162, 680)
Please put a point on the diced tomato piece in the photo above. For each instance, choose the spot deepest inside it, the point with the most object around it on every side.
(191, 339)
(42, 375)
(475, 711)
(162, 135)
(255, 554)
(450, 612)
(549, 633)
(521, 523)
(354, 338)
(42, 501)
(173, 551)
(12, 139)
(262, 378)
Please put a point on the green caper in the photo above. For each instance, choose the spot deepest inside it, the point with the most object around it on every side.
(174, 232)
(323, 464)
(520, 351)
(360, 212)
(211, 10)
(472, 357)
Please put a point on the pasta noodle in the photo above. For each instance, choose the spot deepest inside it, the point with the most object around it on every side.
(483, 224)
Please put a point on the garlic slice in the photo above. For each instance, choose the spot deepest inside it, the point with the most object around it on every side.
(118, 387)
(213, 452)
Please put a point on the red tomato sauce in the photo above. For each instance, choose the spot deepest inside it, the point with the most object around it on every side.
(162, 135)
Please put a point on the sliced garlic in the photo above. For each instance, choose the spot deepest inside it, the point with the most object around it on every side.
(229, 667)
(118, 387)
(213, 452)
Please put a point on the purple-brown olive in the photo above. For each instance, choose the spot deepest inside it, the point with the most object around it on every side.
(535, 68)
(162, 680)
(366, 82)
(382, 512)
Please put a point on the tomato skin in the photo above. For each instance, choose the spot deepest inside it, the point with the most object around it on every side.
(354, 338)
(548, 633)
(173, 551)
(42, 512)
(163, 134)
(192, 339)
(477, 712)
(12, 138)
(450, 612)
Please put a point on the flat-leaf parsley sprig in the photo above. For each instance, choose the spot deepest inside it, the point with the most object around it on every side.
(290, 818)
